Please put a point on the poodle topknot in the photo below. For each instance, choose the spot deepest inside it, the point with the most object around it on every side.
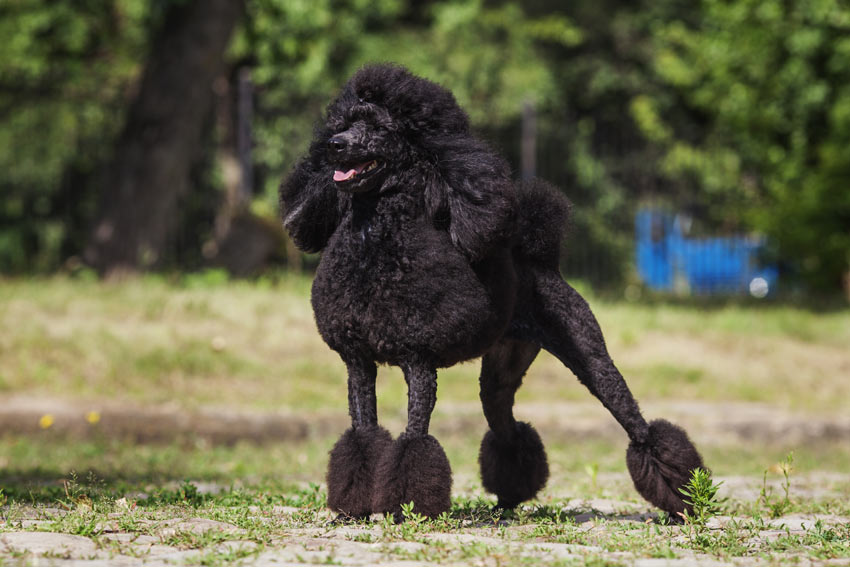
(432, 255)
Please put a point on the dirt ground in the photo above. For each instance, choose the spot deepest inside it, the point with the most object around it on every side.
(713, 423)
(597, 532)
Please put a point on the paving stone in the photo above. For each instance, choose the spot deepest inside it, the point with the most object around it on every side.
(46, 543)
(169, 528)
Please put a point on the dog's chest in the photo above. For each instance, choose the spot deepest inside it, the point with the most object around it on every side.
(364, 268)
(387, 291)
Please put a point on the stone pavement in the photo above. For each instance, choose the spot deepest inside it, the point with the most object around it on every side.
(199, 541)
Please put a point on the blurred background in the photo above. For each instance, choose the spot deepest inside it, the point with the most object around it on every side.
(705, 146)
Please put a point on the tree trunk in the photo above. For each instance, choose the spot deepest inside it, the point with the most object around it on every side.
(150, 169)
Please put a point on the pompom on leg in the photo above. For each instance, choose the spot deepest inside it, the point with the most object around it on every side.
(662, 464)
(513, 469)
(413, 469)
(352, 467)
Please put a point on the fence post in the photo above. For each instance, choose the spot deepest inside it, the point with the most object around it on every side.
(528, 141)
(244, 116)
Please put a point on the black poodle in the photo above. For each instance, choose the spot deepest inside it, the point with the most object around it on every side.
(432, 256)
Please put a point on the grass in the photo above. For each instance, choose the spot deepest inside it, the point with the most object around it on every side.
(254, 345)
(35, 469)
(202, 341)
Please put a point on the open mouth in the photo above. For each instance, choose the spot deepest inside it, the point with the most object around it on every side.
(356, 172)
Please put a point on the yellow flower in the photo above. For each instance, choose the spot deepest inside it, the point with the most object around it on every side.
(46, 421)
(93, 417)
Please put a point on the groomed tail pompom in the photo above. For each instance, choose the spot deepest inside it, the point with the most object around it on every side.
(513, 470)
(662, 464)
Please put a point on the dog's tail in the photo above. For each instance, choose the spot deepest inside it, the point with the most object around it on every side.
(660, 457)
(542, 222)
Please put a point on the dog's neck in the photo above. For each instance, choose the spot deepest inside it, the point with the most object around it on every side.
(377, 212)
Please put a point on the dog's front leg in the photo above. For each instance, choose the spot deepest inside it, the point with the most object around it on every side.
(415, 469)
(354, 458)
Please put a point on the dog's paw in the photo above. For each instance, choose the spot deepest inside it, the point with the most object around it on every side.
(516, 469)
(663, 464)
(351, 470)
(413, 470)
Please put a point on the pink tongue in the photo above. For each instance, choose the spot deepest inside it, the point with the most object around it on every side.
(345, 175)
(342, 176)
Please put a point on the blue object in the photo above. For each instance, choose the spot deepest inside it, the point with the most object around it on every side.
(668, 261)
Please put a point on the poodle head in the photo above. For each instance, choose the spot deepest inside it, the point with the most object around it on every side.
(381, 124)
(389, 132)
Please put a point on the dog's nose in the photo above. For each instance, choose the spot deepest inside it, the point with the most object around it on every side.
(337, 144)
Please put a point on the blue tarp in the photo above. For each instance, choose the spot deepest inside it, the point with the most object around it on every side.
(669, 261)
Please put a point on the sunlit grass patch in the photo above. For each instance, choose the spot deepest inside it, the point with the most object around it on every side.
(204, 339)
(36, 468)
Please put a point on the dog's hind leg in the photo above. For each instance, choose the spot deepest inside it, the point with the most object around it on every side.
(415, 468)
(354, 458)
(660, 457)
(512, 458)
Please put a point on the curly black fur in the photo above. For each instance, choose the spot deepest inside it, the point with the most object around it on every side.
(662, 464)
(415, 469)
(514, 469)
(431, 255)
(351, 470)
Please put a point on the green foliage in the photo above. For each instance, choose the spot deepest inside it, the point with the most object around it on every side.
(778, 507)
(588, 145)
(701, 493)
(767, 80)
(300, 53)
(61, 65)
(186, 494)
(738, 113)
(487, 56)
(64, 71)
(303, 51)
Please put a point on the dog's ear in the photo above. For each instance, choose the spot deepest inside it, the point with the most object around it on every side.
(309, 203)
(469, 192)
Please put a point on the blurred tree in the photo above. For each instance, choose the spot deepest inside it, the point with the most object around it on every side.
(589, 146)
(303, 51)
(734, 111)
(765, 86)
(65, 68)
(150, 169)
